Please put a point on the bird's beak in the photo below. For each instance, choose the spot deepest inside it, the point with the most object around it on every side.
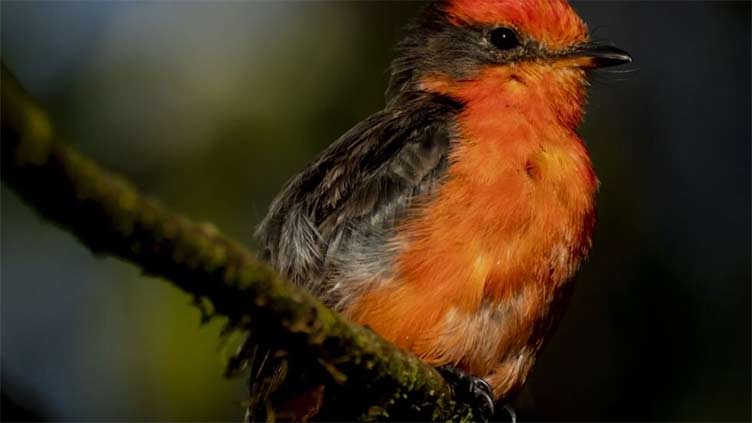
(593, 56)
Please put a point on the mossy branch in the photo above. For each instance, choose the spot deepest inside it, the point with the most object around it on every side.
(110, 216)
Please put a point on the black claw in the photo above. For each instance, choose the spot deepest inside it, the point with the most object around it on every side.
(482, 390)
(511, 412)
(470, 390)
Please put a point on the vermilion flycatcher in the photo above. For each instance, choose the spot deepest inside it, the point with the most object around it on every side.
(452, 221)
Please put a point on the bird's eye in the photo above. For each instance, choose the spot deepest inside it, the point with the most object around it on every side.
(504, 38)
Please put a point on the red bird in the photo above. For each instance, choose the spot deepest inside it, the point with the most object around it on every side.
(453, 221)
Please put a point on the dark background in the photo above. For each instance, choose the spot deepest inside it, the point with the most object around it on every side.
(211, 106)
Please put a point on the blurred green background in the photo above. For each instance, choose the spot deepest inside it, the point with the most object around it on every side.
(211, 106)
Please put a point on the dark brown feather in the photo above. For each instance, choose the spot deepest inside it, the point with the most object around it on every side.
(333, 221)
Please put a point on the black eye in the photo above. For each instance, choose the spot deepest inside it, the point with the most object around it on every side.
(504, 38)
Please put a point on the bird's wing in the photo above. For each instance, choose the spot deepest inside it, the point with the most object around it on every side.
(333, 220)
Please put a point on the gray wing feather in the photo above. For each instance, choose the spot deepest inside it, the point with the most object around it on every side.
(332, 223)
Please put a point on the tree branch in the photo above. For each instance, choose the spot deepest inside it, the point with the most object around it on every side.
(110, 216)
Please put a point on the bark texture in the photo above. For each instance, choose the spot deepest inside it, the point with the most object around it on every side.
(373, 379)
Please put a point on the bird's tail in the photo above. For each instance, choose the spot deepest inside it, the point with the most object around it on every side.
(277, 392)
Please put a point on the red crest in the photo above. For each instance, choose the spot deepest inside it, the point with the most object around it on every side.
(552, 22)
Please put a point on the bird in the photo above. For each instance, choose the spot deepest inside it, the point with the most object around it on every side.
(453, 221)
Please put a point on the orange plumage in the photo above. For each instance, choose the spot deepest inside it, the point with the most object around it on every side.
(513, 218)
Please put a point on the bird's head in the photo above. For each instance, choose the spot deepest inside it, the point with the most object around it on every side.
(469, 48)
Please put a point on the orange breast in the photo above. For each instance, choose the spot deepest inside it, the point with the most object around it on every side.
(508, 226)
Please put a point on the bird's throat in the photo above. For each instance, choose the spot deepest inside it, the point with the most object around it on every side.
(543, 92)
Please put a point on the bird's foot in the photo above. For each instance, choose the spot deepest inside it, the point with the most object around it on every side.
(470, 390)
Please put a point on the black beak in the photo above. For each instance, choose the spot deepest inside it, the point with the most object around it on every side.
(601, 56)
